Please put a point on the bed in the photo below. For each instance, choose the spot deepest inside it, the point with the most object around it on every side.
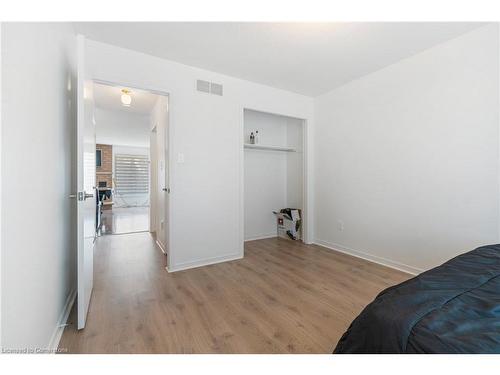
(453, 308)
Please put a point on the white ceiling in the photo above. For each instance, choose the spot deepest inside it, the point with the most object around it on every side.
(109, 97)
(307, 58)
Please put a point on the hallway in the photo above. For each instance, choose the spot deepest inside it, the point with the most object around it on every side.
(120, 220)
(283, 297)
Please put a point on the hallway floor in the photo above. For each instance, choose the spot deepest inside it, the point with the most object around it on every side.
(121, 220)
(282, 297)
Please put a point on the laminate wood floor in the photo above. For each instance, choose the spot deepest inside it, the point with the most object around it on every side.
(283, 297)
(120, 220)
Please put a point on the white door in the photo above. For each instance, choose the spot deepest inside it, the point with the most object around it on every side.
(162, 175)
(166, 203)
(86, 199)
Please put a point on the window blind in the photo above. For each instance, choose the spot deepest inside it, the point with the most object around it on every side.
(131, 174)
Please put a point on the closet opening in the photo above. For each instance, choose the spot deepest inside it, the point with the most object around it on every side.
(274, 176)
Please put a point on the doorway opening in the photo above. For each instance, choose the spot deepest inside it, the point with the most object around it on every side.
(127, 161)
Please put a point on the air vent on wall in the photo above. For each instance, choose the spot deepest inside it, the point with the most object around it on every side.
(216, 89)
(203, 86)
(209, 87)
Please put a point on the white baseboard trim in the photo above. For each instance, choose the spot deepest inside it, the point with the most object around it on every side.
(61, 323)
(372, 258)
(204, 262)
(261, 237)
(161, 247)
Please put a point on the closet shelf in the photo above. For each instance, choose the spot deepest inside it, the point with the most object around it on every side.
(271, 148)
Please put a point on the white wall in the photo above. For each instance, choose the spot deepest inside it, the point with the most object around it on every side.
(122, 128)
(207, 129)
(38, 131)
(273, 179)
(130, 199)
(407, 157)
(1, 116)
(294, 164)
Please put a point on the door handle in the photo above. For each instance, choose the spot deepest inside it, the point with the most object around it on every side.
(87, 195)
(167, 190)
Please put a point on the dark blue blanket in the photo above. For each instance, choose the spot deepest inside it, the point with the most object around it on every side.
(453, 308)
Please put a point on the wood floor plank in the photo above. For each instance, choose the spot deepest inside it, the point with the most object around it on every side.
(282, 297)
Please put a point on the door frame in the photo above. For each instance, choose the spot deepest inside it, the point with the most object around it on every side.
(306, 179)
(169, 151)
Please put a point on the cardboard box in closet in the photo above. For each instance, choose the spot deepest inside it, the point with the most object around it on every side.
(289, 224)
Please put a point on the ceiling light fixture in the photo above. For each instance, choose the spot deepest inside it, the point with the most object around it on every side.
(126, 98)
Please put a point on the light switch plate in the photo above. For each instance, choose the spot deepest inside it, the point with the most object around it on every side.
(180, 157)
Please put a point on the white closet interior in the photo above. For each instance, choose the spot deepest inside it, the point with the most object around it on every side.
(273, 170)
